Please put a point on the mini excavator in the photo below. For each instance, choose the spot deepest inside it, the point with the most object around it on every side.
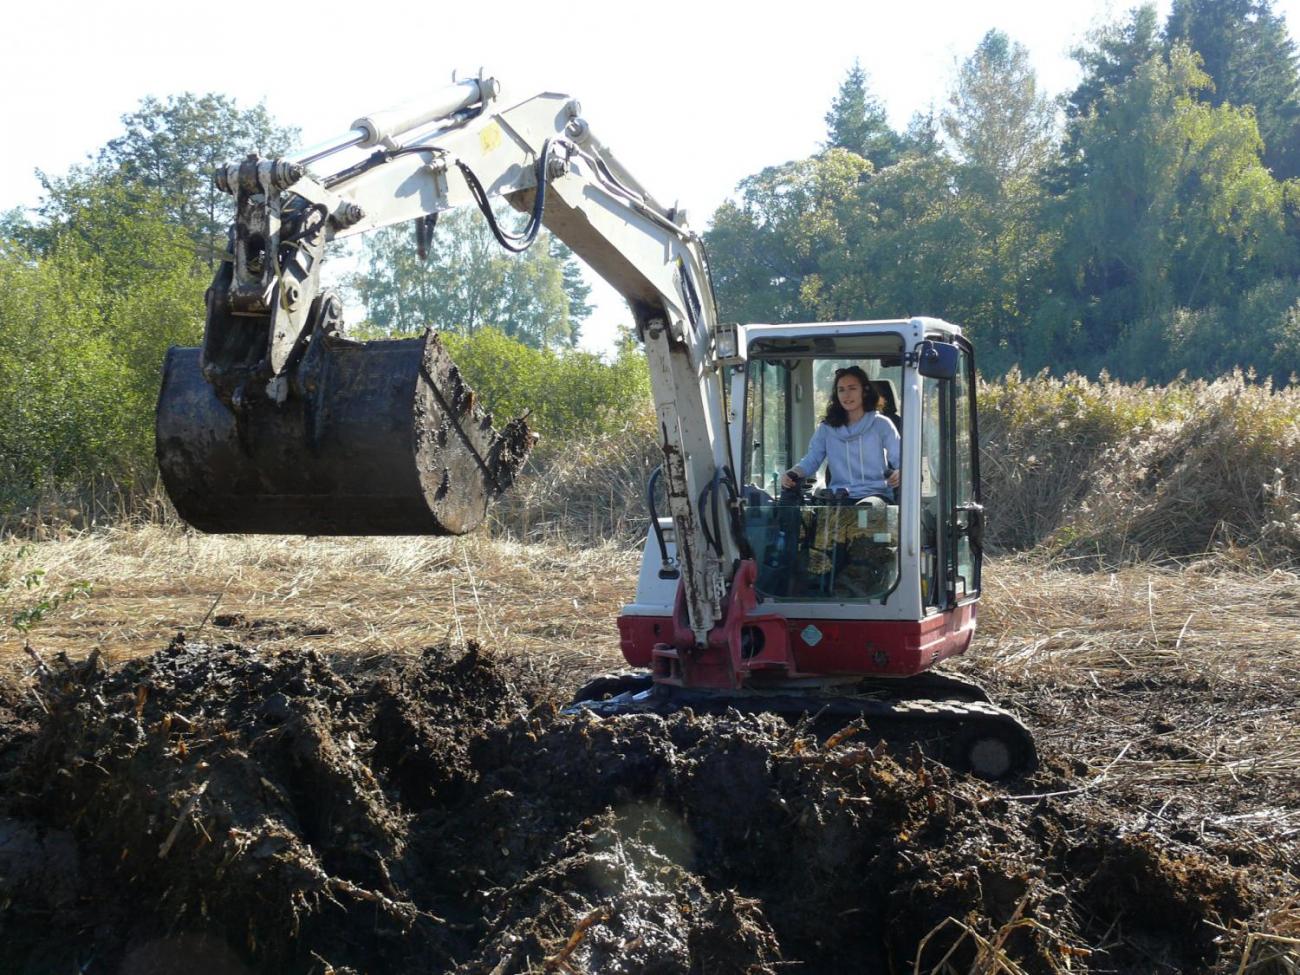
(750, 596)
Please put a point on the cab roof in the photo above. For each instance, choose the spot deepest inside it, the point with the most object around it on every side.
(917, 328)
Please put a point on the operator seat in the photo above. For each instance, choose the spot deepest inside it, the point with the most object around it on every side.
(888, 405)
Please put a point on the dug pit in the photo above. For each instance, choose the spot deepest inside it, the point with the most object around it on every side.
(228, 809)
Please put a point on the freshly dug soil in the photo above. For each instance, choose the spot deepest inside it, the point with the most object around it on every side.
(219, 809)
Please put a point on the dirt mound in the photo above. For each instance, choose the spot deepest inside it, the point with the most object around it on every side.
(223, 809)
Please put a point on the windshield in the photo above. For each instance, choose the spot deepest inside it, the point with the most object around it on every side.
(835, 535)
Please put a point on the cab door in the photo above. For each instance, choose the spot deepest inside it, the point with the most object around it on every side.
(952, 517)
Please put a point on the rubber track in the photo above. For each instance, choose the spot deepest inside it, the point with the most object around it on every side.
(944, 730)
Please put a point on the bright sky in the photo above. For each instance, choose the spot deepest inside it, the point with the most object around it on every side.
(692, 97)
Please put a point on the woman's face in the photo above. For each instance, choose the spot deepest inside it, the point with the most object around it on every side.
(849, 392)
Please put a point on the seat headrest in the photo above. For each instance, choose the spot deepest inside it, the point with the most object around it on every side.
(888, 396)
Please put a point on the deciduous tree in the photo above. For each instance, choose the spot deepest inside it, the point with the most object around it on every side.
(171, 147)
(469, 282)
(1250, 59)
(84, 326)
(792, 223)
(1002, 128)
(1175, 209)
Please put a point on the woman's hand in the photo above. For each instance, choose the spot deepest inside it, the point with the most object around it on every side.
(894, 478)
(791, 477)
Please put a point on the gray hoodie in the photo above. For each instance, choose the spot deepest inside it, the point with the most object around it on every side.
(859, 455)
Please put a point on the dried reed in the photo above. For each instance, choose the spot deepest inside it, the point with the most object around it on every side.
(1273, 946)
(991, 957)
(555, 603)
(583, 491)
(1136, 472)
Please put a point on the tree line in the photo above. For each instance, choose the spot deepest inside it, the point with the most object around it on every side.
(109, 269)
(1143, 224)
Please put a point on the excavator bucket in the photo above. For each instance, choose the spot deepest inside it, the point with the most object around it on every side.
(365, 438)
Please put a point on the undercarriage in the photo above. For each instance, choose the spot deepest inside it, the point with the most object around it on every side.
(950, 720)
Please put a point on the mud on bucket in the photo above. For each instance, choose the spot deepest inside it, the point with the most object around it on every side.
(370, 438)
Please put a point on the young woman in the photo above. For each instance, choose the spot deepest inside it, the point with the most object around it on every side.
(859, 445)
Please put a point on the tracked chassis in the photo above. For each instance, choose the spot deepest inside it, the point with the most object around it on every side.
(951, 720)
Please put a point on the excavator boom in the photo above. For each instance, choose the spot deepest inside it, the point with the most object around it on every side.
(280, 423)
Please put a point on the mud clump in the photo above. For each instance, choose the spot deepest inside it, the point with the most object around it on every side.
(221, 808)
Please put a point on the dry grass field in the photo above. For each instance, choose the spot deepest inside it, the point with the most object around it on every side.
(1164, 701)
(365, 595)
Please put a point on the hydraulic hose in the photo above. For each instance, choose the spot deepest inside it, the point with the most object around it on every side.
(703, 505)
(515, 243)
(709, 504)
(737, 515)
(666, 570)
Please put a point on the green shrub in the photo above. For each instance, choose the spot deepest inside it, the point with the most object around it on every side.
(82, 342)
(569, 392)
(585, 481)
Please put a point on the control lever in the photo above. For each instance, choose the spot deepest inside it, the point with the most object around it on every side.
(792, 495)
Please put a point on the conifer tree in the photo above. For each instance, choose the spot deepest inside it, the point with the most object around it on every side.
(857, 122)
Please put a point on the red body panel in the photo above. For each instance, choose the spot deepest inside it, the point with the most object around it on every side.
(637, 636)
(889, 648)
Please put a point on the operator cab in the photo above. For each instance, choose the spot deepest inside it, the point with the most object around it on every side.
(902, 578)
(915, 556)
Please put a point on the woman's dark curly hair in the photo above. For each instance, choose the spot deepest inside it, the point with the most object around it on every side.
(835, 414)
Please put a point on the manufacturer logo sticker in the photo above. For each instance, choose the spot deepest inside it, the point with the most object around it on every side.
(811, 635)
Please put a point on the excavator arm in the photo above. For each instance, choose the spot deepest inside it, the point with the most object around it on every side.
(280, 423)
